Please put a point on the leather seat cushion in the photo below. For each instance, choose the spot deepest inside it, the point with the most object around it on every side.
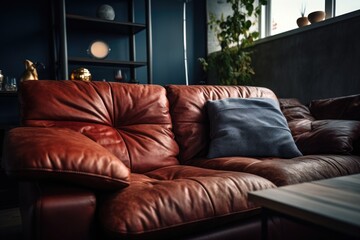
(153, 203)
(287, 171)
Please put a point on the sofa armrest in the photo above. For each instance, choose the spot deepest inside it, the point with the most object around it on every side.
(32, 153)
(346, 108)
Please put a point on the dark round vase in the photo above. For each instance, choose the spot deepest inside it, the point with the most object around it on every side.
(302, 21)
(105, 12)
(316, 16)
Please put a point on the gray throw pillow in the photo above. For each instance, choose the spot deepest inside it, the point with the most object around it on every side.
(252, 127)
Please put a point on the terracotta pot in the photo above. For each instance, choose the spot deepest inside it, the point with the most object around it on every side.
(316, 16)
(302, 21)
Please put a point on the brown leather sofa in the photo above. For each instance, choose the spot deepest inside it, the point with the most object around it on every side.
(99, 160)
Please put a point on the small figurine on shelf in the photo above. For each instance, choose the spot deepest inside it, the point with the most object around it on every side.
(30, 72)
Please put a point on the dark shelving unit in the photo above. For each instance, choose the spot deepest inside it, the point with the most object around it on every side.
(73, 22)
(89, 23)
(8, 93)
(105, 63)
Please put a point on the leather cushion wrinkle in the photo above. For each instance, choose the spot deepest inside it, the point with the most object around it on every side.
(93, 101)
(142, 119)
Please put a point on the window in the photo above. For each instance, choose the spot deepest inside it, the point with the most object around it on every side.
(346, 6)
(281, 15)
(284, 13)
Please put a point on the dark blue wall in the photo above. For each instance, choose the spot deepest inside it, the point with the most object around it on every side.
(26, 33)
(168, 51)
(25, 30)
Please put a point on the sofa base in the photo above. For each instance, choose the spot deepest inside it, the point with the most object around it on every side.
(52, 211)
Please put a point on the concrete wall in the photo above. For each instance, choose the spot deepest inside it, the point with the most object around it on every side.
(318, 61)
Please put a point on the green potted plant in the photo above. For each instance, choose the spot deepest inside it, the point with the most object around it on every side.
(232, 64)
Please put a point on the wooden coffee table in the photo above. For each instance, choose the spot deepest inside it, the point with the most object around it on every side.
(332, 203)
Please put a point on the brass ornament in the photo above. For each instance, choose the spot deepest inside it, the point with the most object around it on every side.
(82, 74)
(30, 72)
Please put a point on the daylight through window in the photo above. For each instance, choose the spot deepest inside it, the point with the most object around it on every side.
(281, 15)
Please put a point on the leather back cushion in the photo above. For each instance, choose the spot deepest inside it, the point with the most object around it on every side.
(129, 120)
(297, 115)
(329, 136)
(345, 108)
(190, 119)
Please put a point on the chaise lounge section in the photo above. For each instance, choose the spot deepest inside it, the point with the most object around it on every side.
(99, 160)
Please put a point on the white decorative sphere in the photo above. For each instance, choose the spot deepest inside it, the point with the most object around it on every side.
(106, 12)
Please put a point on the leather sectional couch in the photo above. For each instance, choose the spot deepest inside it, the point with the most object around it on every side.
(98, 160)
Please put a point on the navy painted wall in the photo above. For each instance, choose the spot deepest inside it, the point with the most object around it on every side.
(26, 33)
(168, 51)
